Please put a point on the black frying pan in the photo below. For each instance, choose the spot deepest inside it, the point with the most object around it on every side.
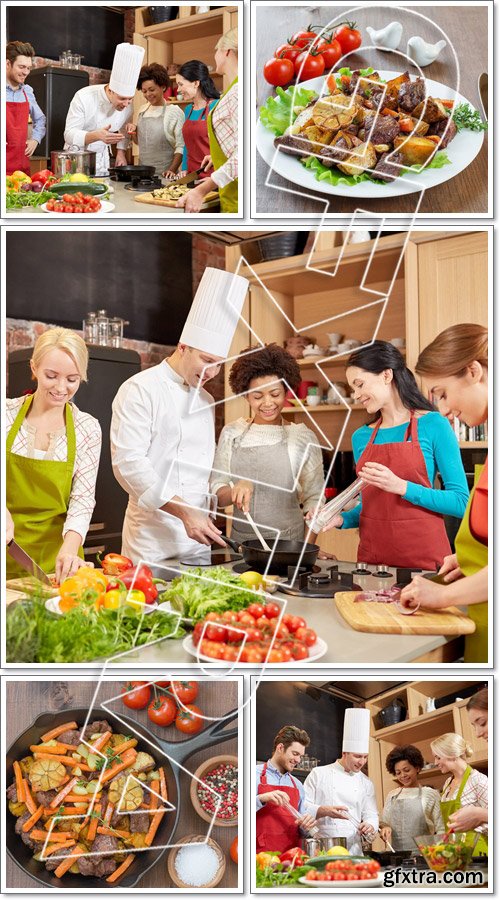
(389, 857)
(126, 173)
(144, 860)
(284, 554)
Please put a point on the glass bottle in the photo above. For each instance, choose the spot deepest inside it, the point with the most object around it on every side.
(102, 327)
(89, 328)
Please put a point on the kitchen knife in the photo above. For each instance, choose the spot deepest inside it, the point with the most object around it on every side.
(193, 176)
(482, 86)
(27, 563)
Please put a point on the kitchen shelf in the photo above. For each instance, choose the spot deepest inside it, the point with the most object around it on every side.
(308, 362)
(470, 445)
(206, 24)
(322, 407)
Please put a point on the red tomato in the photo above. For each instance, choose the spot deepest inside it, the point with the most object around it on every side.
(231, 653)
(287, 51)
(251, 655)
(67, 208)
(256, 610)
(67, 198)
(233, 850)
(184, 691)
(276, 656)
(246, 619)
(271, 610)
(216, 633)
(309, 65)
(137, 694)
(262, 622)
(303, 38)
(296, 623)
(233, 636)
(254, 634)
(189, 720)
(79, 208)
(198, 630)
(286, 653)
(307, 635)
(211, 617)
(299, 650)
(312, 875)
(162, 710)
(212, 649)
(282, 633)
(162, 683)
(229, 616)
(331, 51)
(278, 72)
(50, 205)
(348, 37)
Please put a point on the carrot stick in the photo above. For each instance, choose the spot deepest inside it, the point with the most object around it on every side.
(77, 798)
(126, 761)
(113, 831)
(101, 741)
(94, 823)
(390, 112)
(109, 812)
(68, 811)
(153, 828)
(68, 862)
(55, 732)
(54, 748)
(125, 746)
(121, 869)
(55, 837)
(154, 786)
(33, 819)
(163, 784)
(51, 848)
(28, 798)
(19, 782)
(65, 760)
(62, 794)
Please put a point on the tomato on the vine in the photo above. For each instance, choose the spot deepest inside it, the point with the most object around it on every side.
(137, 694)
(309, 65)
(287, 51)
(162, 710)
(307, 635)
(278, 72)
(348, 37)
(189, 720)
(303, 38)
(331, 51)
(184, 691)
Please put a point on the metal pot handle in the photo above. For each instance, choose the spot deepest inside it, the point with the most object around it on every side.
(214, 734)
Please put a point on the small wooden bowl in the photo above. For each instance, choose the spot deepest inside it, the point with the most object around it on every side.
(195, 839)
(200, 773)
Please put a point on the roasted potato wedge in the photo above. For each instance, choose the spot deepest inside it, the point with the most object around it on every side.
(363, 158)
(392, 86)
(434, 111)
(418, 128)
(415, 150)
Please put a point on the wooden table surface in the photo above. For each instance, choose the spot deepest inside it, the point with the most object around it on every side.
(28, 699)
(467, 28)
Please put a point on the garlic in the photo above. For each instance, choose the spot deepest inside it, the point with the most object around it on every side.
(422, 53)
(387, 38)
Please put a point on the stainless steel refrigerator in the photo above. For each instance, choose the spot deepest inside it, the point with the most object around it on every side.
(54, 89)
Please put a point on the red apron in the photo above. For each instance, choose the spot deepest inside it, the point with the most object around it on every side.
(276, 827)
(16, 124)
(195, 134)
(393, 531)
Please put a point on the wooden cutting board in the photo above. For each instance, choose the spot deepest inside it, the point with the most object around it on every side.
(148, 198)
(28, 584)
(384, 618)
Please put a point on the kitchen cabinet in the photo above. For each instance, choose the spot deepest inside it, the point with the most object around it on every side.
(386, 288)
(420, 728)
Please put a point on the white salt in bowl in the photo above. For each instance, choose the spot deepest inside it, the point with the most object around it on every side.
(189, 863)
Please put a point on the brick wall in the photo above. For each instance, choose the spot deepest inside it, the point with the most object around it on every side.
(96, 76)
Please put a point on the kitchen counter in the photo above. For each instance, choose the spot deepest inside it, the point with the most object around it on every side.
(345, 645)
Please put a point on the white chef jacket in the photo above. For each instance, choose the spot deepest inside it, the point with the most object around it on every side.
(90, 110)
(159, 449)
(332, 786)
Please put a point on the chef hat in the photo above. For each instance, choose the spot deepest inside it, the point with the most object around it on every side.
(127, 64)
(215, 312)
(356, 731)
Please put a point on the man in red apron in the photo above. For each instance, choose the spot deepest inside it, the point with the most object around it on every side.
(21, 104)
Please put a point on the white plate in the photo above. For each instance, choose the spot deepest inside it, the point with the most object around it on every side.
(52, 604)
(106, 207)
(315, 652)
(461, 151)
(355, 883)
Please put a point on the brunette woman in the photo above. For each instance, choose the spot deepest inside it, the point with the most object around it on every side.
(194, 83)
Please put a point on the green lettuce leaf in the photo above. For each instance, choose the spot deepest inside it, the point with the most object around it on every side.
(334, 176)
(278, 114)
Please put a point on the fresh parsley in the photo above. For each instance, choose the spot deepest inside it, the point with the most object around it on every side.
(465, 117)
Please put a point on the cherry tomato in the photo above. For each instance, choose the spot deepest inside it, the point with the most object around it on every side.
(50, 205)
(189, 720)
(271, 610)
(256, 610)
(216, 633)
(278, 72)
(197, 632)
(309, 65)
(137, 694)
(307, 635)
(211, 617)
(229, 616)
(251, 655)
(299, 650)
(254, 634)
(331, 51)
(79, 208)
(348, 37)
(276, 656)
(231, 653)
(162, 710)
(286, 653)
(296, 623)
(287, 51)
(233, 850)
(262, 622)
(67, 198)
(67, 208)
(247, 619)
(233, 636)
(184, 691)
(303, 38)
(212, 649)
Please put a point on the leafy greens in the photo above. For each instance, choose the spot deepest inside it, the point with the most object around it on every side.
(277, 114)
(197, 592)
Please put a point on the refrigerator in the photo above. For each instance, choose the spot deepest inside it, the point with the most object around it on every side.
(54, 89)
(108, 368)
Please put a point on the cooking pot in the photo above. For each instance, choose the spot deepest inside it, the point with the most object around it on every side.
(315, 846)
(126, 173)
(169, 754)
(67, 162)
(284, 554)
(392, 714)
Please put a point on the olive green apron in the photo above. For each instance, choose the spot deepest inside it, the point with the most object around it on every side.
(38, 494)
(448, 807)
(228, 194)
(472, 556)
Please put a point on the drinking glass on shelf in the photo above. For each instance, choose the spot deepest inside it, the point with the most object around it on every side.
(115, 332)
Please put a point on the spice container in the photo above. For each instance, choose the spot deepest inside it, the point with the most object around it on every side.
(102, 328)
(198, 862)
(220, 773)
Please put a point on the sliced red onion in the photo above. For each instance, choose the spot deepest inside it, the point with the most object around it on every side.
(405, 611)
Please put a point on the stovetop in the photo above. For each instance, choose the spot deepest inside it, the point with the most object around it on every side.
(144, 184)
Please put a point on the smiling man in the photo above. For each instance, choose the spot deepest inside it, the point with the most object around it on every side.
(21, 104)
(163, 435)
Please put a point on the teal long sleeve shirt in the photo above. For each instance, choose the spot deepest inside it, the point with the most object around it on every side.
(441, 453)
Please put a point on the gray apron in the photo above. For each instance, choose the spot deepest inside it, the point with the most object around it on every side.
(407, 820)
(154, 149)
(276, 508)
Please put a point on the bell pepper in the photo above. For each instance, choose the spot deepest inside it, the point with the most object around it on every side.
(114, 563)
(113, 599)
(263, 860)
(43, 176)
(141, 579)
(20, 177)
(295, 855)
(136, 599)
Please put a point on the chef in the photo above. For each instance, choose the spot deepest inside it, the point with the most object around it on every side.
(98, 114)
(163, 436)
(343, 783)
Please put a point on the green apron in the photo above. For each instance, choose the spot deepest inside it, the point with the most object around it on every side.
(229, 194)
(450, 806)
(472, 556)
(38, 494)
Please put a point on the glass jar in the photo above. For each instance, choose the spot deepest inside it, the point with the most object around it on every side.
(102, 328)
(115, 332)
(89, 328)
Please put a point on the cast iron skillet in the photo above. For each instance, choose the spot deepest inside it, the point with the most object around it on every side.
(145, 859)
(388, 858)
(126, 173)
(286, 553)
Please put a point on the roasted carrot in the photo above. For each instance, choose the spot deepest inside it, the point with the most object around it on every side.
(406, 125)
(68, 811)
(28, 798)
(390, 112)
(113, 831)
(153, 828)
(163, 784)
(94, 823)
(33, 819)
(55, 732)
(54, 748)
(154, 791)
(127, 759)
(77, 798)
(109, 812)
(52, 848)
(68, 862)
(125, 746)
(19, 782)
(101, 741)
(121, 869)
(447, 103)
(62, 794)
(65, 760)
(55, 836)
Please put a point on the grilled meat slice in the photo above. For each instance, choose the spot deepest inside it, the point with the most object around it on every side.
(70, 737)
(410, 94)
(293, 145)
(388, 170)
(52, 863)
(25, 835)
(446, 130)
(139, 822)
(98, 727)
(45, 797)
(12, 792)
(386, 128)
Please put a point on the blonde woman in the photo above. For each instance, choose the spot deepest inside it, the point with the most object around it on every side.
(223, 135)
(52, 458)
(468, 817)
(465, 786)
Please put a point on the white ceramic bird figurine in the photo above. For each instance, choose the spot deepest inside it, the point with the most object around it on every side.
(386, 38)
(423, 53)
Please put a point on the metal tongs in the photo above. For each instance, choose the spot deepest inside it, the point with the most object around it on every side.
(265, 545)
(375, 831)
(335, 506)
